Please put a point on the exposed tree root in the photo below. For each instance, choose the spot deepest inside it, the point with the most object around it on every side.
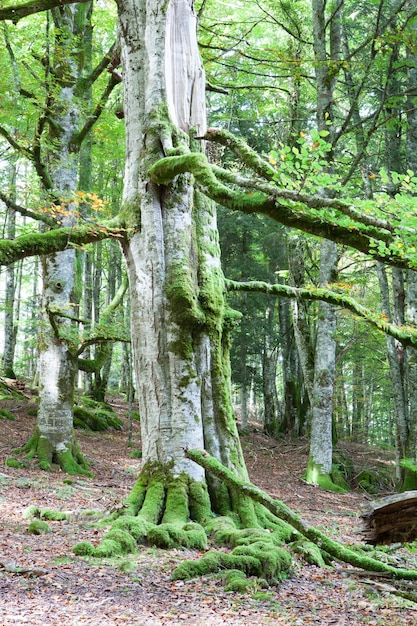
(328, 547)
(70, 460)
(259, 532)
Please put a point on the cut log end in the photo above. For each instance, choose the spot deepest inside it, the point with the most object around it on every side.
(391, 520)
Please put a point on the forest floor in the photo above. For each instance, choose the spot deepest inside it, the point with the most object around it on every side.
(53, 586)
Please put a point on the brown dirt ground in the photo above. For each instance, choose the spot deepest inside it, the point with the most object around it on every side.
(60, 588)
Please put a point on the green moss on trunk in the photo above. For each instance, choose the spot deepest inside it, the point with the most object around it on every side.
(70, 460)
(315, 476)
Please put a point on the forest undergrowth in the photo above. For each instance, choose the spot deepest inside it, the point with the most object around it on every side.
(43, 582)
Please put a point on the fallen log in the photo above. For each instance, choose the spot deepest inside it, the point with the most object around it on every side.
(391, 520)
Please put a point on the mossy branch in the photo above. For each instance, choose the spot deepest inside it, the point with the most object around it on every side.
(41, 217)
(405, 335)
(336, 550)
(16, 13)
(53, 241)
(293, 212)
(262, 168)
(245, 153)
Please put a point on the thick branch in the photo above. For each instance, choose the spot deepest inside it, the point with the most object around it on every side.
(52, 241)
(15, 13)
(40, 217)
(406, 336)
(293, 214)
(260, 167)
(336, 550)
(112, 82)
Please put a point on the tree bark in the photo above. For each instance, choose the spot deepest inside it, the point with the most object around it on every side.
(321, 435)
(53, 440)
(10, 326)
(179, 317)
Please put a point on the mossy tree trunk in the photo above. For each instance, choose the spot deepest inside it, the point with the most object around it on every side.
(179, 319)
(55, 153)
(54, 439)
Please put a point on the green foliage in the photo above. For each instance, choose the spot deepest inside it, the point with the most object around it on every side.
(304, 165)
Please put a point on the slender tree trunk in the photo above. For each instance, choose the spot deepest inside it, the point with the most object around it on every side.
(54, 440)
(396, 371)
(272, 410)
(321, 434)
(410, 477)
(321, 437)
(10, 326)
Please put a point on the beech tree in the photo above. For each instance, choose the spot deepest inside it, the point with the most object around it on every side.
(58, 134)
(180, 321)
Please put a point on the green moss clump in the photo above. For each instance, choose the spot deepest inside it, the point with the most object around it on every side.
(273, 560)
(235, 580)
(72, 462)
(154, 500)
(214, 561)
(221, 528)
(135, 454)
(108, 548)
(10, 462)
(53, 516)
(38, 527)
(199, 501)
(338, 477)
(4, 413)
(116, 541)
(95, 416)
(315, 476)
(172, 535)
(309, 551)
(84, 548)
(137, 527)
(32, 511)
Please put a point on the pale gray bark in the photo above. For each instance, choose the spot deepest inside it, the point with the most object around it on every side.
(10, 323)
(411, 300)
(302, 328)
(56, 365)
(327, 33)
(321, 445)
(395, 354)
(179, 364)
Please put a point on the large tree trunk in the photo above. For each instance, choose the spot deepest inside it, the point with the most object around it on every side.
(177, 300)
